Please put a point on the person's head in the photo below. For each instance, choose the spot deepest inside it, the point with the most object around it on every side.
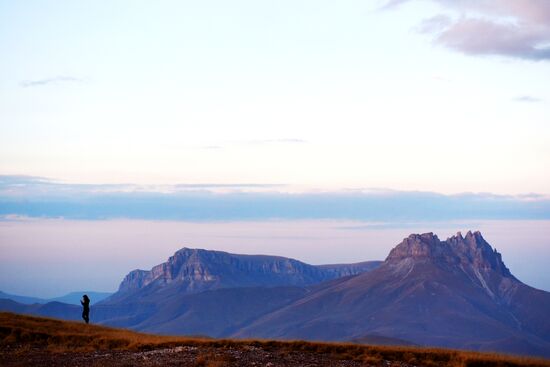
(85, 297)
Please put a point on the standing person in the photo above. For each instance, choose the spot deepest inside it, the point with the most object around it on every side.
(86, 308)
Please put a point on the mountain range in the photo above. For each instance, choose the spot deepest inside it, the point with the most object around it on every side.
(454, 293)
(72, 298)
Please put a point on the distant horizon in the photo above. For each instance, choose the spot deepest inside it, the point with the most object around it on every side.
(50, 255)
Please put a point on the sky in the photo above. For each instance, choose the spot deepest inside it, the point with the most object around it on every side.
(412, 114)
(401, 95)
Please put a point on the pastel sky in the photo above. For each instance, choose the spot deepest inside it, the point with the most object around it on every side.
(322, 130)
(442, 96)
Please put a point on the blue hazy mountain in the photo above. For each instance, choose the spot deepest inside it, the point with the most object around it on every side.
(72, 298)
(22, 299)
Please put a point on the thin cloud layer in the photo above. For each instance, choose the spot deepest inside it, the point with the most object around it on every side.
(35, 197)
(253, 142)
(32, 186)
(528, 99)
(511, 28)
(49, 81)
(271, 141)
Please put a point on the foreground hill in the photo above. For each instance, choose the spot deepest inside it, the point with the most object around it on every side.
(26, 340)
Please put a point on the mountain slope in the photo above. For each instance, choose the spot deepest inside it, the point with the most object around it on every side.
(217, 313)
(453, 293)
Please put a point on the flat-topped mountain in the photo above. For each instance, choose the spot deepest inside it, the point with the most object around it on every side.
(196, 270)
(213, 292)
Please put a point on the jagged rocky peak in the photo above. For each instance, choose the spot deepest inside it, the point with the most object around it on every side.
(470, 251)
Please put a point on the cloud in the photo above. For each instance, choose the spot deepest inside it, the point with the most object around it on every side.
(483, 37)
(49, 81)
(22, 196)
(9, 180)
(32, 186)
(228, 186)
(392, 4)
(510, 28)
(528, 99)
(251, 142)
(275, 141)
(437, 23)
(210, 147)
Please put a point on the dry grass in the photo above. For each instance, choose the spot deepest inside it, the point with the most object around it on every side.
(213, 360)
(55, 336)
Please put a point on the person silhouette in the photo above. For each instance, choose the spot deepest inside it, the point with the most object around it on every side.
(85, 302)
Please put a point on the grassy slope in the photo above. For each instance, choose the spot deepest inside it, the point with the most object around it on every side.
(65, 336)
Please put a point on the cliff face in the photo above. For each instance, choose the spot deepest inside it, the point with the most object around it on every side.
(425, 246)
(469, 250)
(197, 270)
(470, 254)
(334, 271)
(474, 251)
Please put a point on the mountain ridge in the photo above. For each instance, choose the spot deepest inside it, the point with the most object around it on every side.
(196, 270)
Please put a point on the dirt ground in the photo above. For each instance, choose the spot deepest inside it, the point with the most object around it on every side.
(180, 356)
